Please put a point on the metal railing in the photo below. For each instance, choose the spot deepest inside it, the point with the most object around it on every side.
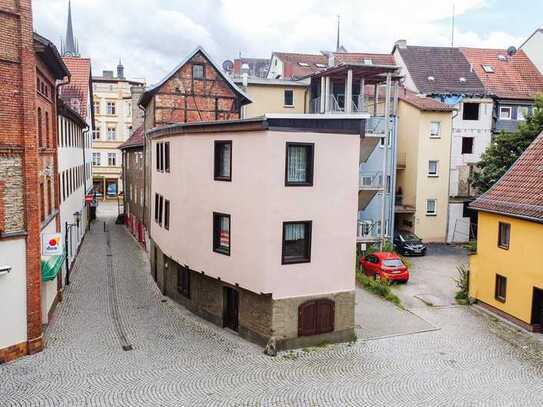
(336, 104)
(368, 230)
(375, 125)
(371, 180)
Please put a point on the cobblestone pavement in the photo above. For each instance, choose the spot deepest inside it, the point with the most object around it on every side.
(180, 360)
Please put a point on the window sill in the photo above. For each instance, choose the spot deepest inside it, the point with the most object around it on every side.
(433, 175)
(435, 137)
(502, 300)
(503, 247)
(286, 262)
(224, 252)
(223, 179)
(289, 106)
(298, 184)
(431, 214)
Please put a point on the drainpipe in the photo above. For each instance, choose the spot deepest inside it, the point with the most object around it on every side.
(85, 132)
(385, 161)
(449, 183)
(144, 170)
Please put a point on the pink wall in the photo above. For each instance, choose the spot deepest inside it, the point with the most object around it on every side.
(258, 203)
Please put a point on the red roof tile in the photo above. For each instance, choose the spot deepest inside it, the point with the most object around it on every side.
(513, 77)
(519, 192)
(79, 86)
(135, 140)
(424, 103)
(295, 64)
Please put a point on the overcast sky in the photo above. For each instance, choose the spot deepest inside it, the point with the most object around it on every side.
(152, 36)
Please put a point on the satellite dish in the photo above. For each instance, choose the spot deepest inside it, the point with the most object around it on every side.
(228, 66)
(511, 51)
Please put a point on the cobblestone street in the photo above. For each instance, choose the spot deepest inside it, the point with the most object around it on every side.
(180, 360)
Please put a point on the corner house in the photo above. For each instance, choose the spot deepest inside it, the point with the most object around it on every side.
(254, 224)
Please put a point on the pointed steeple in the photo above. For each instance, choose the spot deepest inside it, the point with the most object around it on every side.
(337, 41)
(70, 45)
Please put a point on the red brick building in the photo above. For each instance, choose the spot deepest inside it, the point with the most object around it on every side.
(29, 198)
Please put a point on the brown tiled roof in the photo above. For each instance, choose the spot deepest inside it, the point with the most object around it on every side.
(519, 192)
(424, 103)
(359, 57)
(79, 86)
(135, 140)
(293, 69)
(514, 77)
(446, 65)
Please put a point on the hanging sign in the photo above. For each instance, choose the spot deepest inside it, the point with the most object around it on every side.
(52, 244)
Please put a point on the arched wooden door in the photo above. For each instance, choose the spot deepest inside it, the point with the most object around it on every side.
(316, 317)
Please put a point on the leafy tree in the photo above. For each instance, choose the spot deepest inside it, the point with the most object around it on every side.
(506, 148)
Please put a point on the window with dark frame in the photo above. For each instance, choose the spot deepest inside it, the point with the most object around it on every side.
(167, 214)
(160, 209)
(167, 157)
(288, 99)
(183, 281)
(221, 233)
(156, 207)
(470, 111)
(501, 288)
(197, 71)
(467, 145)
(299, 164)
(223, 160)
(296, 242)
(158, 156)
(504, 235)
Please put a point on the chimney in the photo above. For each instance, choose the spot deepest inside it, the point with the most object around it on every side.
(402, 44)
(245, 74)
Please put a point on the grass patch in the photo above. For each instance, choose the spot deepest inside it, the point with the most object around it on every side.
(379, 287)
(462, 283)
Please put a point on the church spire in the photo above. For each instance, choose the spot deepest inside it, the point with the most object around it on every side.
(70, 46)
(337, 41)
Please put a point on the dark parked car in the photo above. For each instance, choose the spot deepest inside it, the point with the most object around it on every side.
(408, 243)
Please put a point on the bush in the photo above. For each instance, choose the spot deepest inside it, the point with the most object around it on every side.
(379, 287)
(471, 246)
(462, 283)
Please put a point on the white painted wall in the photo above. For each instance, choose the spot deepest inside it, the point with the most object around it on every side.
(458, 224)
(533, 47)
(13, 292)
(259, 203)
(276, 68)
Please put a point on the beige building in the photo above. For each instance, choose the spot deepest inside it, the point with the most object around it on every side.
(423, 164)
(274, 95)
(113, 125)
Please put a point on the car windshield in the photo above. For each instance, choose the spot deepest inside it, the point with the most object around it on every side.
(392, 263)
(408, 237)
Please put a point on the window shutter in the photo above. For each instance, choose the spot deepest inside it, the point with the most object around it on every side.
(307, 318)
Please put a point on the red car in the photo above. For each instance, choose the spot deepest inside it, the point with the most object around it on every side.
(385, 265)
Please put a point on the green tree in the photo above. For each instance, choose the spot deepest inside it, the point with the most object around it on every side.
(506, 148)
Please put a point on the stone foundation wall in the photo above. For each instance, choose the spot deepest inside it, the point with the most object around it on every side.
(285, 321)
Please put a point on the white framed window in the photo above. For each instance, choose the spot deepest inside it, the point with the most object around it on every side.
(111, 133)
(522, 112)
(431, 207)
(435, 129)
(488, 68)
(111, 108)
(112, 159)
(96, 107)
(288, 98)
(96, 134)
(506, 112)
(433, 168)
(368, 61)
(96, 159)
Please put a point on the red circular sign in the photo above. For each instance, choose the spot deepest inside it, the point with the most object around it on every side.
(52, 242)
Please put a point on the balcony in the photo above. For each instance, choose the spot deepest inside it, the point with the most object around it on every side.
(368, 231)
(370, 185)
(336, 104)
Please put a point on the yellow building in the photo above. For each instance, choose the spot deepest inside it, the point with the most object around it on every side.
(506, 274)
(274, 96)
(423, 163)
(113, 126)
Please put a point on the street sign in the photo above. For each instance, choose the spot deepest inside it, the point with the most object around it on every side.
(51, 244)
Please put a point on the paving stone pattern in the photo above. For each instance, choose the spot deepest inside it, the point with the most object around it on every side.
(180, 360)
